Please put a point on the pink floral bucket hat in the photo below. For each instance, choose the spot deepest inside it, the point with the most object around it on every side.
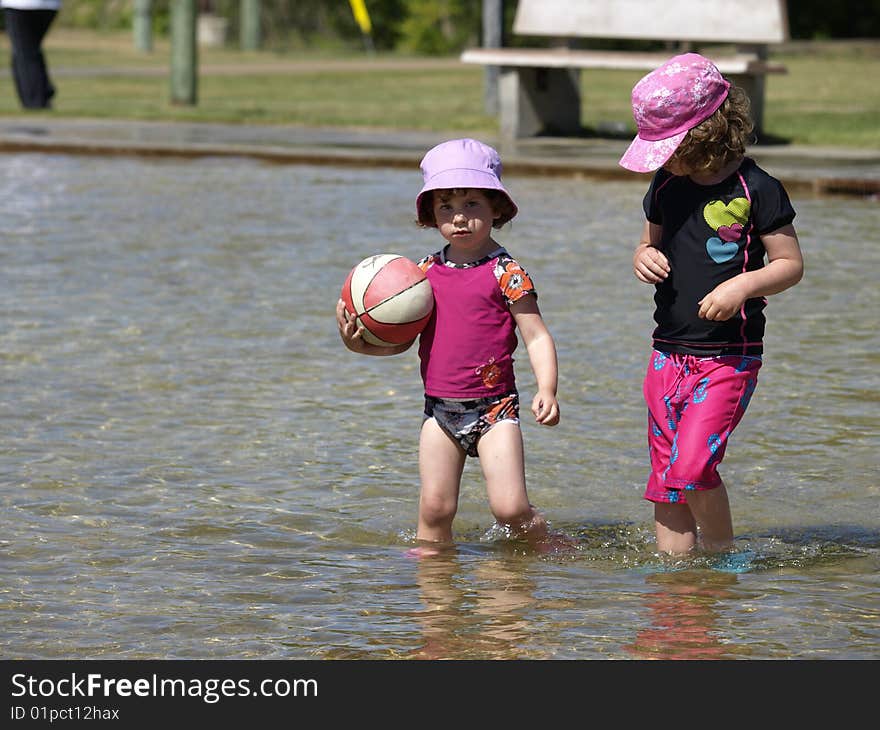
(667, 104)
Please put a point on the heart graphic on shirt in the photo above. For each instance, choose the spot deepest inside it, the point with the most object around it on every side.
(730, 233)
(719, 214)
(721, 251)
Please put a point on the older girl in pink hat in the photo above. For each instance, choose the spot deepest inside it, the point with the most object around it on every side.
(482, 297)
(712, 218)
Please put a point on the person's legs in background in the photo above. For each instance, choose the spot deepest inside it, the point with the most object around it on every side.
(26, 30)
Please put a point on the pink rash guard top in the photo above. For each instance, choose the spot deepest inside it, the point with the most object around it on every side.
(467, 348)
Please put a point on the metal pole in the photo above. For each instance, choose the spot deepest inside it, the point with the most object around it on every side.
(142, 25)
(493, 37)
(184, 54)
(250, 25)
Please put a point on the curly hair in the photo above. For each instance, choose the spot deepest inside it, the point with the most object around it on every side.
(504, 209)
(719, 139)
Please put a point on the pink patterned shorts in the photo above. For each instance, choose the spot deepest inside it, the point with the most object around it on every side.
(694, 403)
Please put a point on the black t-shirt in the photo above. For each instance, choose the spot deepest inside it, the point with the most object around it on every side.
(711, 233)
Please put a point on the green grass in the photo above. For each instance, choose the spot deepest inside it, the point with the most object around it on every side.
(829, 96)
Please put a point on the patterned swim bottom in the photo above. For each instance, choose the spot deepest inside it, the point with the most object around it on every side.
(694, 403)
(467, 420)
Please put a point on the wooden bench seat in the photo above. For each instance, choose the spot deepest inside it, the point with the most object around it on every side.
(539, 88)
(739, 63)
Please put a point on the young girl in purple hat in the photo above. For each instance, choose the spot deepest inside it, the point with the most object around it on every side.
(712, 217)
(482, 296)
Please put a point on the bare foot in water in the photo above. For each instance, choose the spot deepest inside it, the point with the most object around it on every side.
(426, 550)
(537, 533)
(555, 543)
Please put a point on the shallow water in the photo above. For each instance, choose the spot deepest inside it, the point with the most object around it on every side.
(192, 466)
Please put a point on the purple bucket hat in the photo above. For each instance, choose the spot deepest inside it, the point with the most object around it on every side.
(462, 163)
(667, 103)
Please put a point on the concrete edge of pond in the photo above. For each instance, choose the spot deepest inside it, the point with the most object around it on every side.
(804, 170)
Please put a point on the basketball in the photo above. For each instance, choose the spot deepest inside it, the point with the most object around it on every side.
(391, 298)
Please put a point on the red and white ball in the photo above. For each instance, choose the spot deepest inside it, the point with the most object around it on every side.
(391, 297)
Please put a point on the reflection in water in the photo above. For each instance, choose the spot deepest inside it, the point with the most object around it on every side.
(474, 611)
(684, 615)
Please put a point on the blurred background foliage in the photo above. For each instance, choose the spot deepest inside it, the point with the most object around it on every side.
(425, 27)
